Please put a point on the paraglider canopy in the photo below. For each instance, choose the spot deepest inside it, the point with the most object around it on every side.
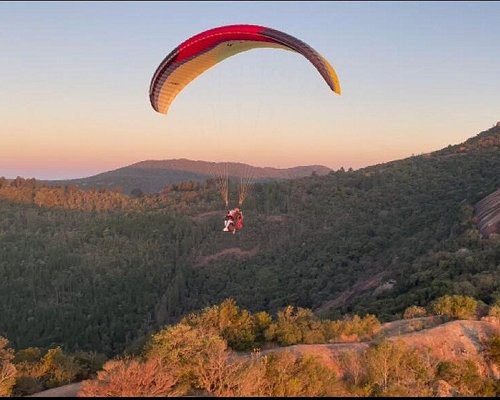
(199, 53)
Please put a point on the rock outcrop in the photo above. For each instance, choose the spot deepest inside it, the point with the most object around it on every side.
(488, 214)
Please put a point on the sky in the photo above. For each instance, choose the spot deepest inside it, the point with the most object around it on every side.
(74, 84)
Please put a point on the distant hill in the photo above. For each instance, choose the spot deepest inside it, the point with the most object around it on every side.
(153, 175)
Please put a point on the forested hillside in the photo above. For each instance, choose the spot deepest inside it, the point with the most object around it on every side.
(153, 175)
(375, 240)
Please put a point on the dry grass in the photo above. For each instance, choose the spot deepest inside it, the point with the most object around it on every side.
(449, 341)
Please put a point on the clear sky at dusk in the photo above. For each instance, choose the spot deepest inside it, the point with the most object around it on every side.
(74, 81)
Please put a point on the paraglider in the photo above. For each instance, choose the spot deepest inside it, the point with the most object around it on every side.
(233, 221)
(203, 51)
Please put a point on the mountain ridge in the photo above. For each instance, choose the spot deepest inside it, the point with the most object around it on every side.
(151, 176)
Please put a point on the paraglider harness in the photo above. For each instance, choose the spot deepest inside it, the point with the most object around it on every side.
(233, 221)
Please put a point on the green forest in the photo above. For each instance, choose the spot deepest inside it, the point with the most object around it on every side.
(98, 270)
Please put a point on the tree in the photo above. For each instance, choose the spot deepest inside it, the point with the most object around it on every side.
(236, 326)
(7, 369)
(353, 365)
(215, 368)
(288, 375)
(262, 321)
(57, 368)
(29, 371)
(394, 369)
(290, 326)
(199, 356)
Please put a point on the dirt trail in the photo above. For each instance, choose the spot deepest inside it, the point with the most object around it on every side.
(233, 251)
(203, 216)
(70, 390)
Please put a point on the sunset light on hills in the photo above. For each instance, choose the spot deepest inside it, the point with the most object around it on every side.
(74, 98)
(250, 199)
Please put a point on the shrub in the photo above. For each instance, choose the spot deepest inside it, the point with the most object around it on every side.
(57, 368)
(494, 349)
(7, 368)
(283, 374)
(494, 311)
(30, 354)
(88, 363)
(455, 306)
(238, 327)
(288, 329)
(462, 374)
(414, 312)
(29, 372)
(351, 329)
(126, 378)
(363, 327)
